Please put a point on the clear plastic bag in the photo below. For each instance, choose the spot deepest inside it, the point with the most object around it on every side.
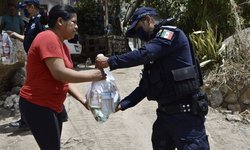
(8, 53)
(103, 97)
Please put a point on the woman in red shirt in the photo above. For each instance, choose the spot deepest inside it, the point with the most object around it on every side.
(49, 74)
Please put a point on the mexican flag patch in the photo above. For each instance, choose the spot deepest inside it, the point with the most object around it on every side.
(167, 34)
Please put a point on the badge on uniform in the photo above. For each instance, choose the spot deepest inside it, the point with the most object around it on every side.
(166, 34)
(33, 26)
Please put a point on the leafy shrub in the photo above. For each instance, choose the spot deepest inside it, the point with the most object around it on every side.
(207, 44)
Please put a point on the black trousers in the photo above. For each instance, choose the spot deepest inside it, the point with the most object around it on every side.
(183, 131)
(64, 116)
(44, 123)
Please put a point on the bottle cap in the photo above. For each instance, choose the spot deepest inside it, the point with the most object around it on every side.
(100, 55)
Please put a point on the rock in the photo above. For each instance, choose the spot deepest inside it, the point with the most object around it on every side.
(246, 113)
(246, 120)
(1, 102)
(230, 42)
(4, 86)
(246, 116)
(16, 106)
(19, 77)
(245, 97)
(5, 113)
(224, 90)
(237, 117)
(16, 99)
(224, 111)
(8, 71)
(15, 90)
(245, 101)
(234, 107)
(224, 105)
(8, 103)
(231, 98)
(4, 96)
(215, 98)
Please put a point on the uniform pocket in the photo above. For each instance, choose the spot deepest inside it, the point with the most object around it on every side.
(185, 80)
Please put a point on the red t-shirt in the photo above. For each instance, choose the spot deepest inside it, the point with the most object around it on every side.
(40, 87)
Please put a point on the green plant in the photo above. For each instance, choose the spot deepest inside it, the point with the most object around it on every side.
(167, 8)
(207, 44)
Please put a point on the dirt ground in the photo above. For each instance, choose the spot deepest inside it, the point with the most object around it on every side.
(128, 130)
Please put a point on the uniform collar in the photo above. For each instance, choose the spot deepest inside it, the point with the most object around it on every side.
(35, 16)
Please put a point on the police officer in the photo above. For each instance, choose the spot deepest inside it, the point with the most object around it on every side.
(169, 77)
(31, 11)
(36, 25)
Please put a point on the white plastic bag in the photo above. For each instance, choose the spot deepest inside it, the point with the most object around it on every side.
(103, 97)
(8, 55)
(6, 38)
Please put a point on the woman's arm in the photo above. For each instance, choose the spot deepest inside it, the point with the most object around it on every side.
(74, 92)
(61, 73)
(16, 35)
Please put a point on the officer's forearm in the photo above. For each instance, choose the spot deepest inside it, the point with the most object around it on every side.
(134, 98)
(127, 60)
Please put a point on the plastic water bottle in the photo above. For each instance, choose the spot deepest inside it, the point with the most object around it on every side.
(95, 101)
(6, 46)
(99, 116)
(107, 103)
(6, 53)
(96, 107)
(13, 56)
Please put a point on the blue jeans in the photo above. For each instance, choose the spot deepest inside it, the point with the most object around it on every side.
(183, 131)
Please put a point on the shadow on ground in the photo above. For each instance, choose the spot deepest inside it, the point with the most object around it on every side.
(5, 128)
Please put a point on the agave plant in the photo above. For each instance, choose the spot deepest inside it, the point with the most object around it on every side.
(207, 44)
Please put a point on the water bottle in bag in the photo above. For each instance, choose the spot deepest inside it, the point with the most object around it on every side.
(103, 97)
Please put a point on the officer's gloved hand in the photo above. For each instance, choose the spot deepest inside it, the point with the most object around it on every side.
(118, 108)
(101, 61)
(85, 104)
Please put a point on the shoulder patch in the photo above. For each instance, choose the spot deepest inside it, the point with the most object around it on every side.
(166, 34)
(159, 33)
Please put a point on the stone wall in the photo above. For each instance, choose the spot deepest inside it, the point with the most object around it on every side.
(12, 77)
(228, 85)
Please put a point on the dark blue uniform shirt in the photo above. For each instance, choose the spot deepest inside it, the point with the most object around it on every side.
(170, 43)
(32, 29)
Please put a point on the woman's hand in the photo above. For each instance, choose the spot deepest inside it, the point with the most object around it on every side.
(74, 92)
(85, 104)
(99, 74)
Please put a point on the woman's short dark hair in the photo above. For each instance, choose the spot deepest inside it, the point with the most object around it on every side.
(64, 11)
